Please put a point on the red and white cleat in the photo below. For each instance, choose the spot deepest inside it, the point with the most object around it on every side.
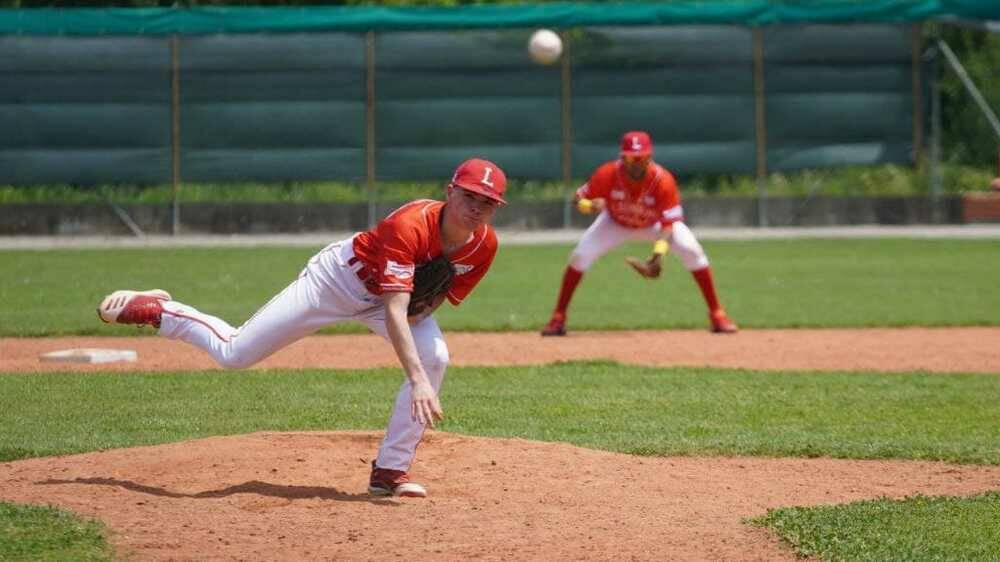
(388, 482)
(721, 324)
(133, 307)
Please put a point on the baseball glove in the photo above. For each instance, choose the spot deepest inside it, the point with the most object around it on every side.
(430, 281)
(650, 269)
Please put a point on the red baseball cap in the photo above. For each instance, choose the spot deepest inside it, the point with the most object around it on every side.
(636, 143)
(482, 177)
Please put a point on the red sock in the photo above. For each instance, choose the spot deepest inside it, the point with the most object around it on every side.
(707, 286)
(570, 280)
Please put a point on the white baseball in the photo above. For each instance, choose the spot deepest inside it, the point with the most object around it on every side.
(545, 46)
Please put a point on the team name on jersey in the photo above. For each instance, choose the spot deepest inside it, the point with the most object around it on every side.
(398, 270)
(462, 269)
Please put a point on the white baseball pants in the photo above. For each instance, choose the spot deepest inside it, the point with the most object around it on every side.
(327, 291)
(605, 235)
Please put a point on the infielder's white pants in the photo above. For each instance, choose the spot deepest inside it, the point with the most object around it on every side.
(328, 291)
(605, 235)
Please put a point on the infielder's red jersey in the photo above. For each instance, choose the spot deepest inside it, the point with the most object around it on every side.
(411, 236)
(635, 204)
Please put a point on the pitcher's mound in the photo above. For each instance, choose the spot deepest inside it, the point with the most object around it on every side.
(301, 496)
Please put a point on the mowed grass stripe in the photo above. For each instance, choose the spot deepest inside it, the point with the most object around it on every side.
(48, 534)
(916, 529)
(763, 284)
(647, 411)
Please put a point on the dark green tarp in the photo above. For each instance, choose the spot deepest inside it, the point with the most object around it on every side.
(160, 21)
(283, 107)
(84, 110)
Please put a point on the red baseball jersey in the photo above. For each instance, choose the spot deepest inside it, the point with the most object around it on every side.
(635, 204)
(411, 236)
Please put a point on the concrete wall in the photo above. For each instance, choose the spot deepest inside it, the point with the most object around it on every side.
(255, 218)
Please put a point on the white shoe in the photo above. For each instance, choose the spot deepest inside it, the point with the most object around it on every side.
(133, 307)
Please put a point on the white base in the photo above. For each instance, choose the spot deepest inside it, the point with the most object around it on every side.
(90, 355)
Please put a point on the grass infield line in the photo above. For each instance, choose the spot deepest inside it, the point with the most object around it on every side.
(763, 284)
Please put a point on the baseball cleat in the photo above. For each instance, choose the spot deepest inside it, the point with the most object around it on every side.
(721, 324)
(555, 327)
(388, 482)
(133, 307)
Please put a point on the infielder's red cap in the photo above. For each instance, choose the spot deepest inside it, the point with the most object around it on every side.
(482, 177)
(636, 143)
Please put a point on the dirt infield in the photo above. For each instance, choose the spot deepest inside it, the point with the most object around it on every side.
(906, 349)
(300, 496)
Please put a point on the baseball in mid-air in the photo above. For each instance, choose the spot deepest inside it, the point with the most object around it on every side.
(545, 46)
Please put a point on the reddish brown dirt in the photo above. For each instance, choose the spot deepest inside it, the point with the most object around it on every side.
(883, 349)
(300, 496)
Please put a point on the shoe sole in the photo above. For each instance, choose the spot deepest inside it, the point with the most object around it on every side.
(407, 490)
(105, 310)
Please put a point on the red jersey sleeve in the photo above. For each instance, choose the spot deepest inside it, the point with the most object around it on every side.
(473, 263)
(669, 197)
(600, 183)
(397, 260)
(398, 243)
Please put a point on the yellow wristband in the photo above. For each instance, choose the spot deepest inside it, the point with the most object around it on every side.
(661, 247)
(585, 206)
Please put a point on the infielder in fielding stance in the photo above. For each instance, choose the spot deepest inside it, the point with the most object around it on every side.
(637, 200)
(368, 277)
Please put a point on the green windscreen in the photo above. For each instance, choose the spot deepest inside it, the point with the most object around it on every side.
(272, 107)
(279, 107)
(84, 110)
(690, 87)
(447, 96)
(838, 95)
(563, 15)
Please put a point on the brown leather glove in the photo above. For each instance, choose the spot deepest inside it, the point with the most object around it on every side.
(431, 282)
(650, 269)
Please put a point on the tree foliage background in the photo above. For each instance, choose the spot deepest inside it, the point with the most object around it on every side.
(967, 139)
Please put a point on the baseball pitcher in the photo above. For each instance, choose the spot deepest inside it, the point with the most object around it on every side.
(391, 278)
(637, 200)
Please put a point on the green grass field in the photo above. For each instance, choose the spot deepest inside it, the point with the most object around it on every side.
(763, 284)
(883, 530)
(646, 411)
(47, 534)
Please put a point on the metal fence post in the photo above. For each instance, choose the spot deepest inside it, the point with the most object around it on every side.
(567, 129)
(916, 77)
(935, 187)
(760, 125)
(370, 126)
(175, 134)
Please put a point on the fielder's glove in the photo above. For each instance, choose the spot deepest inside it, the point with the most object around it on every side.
(430, 281)
(650, 269)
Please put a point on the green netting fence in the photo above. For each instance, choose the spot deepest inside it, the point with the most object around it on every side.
(374, 94)
(409, 105)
